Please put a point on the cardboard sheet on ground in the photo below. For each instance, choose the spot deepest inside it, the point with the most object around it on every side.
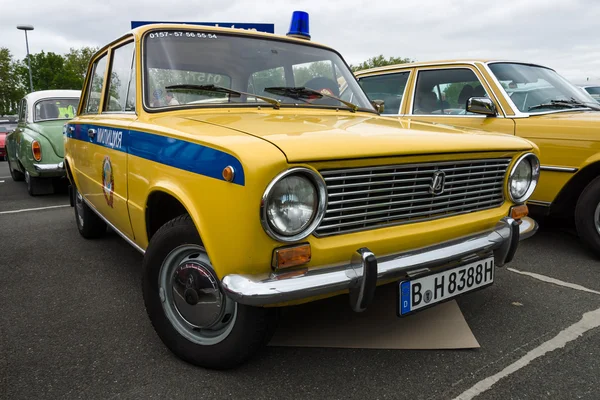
(331, 323)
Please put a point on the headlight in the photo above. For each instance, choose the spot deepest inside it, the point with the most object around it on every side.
(293, 204)
(523, 178)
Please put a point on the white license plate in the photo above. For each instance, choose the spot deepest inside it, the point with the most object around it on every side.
(431, 289)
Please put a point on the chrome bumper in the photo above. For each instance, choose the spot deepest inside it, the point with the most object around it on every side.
(50, 168)
(361, 274)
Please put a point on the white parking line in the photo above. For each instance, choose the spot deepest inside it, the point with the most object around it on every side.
(1, 181)
(554, 281)
(32, 209)
(4, 177)
(590, 320)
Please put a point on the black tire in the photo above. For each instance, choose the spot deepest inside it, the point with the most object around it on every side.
(252, 328)
(17, 176)
(586, 211)
(89, 224)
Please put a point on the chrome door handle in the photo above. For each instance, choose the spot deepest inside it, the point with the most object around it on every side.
(91, 133)
(71, 129)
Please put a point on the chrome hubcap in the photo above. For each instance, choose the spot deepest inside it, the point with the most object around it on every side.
(597, 218)
(192, 298)
(79, 207)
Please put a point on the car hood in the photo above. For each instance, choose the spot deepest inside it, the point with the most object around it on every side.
(53, 132)
(573, 125)
(329, 136)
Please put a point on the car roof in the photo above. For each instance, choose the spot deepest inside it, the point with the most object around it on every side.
(44, 94)
(441, 62)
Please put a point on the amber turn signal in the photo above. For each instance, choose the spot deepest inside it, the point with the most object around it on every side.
(518, 212)
(287, 257)
(228, 173)
(36, 149)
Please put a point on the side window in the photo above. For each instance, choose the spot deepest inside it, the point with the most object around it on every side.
(120, 77)
(92, 102)
(446, 91)
(389, 88)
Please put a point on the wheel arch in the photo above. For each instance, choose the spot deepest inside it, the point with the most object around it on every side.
(566, 200)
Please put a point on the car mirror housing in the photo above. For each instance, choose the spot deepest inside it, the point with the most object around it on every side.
(481, 105)
(379, 105)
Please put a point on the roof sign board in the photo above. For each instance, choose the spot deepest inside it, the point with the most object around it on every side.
(267, 28)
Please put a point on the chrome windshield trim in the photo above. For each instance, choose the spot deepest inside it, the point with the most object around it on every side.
(554, 168)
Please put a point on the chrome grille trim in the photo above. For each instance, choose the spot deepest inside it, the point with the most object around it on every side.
(369, 198)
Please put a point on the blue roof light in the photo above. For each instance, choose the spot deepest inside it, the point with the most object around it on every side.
(299, 25)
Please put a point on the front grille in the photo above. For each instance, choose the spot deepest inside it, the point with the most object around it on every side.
(374, 197)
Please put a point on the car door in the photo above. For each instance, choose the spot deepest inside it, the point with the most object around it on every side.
(440, 94)
(13, 139)
(110, 111)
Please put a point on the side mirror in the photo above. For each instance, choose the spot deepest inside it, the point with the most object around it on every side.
(481, 105)
(379, 105)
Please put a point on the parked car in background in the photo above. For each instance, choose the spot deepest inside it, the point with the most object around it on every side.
(523, 99)
(592, 89)
(3, 133)
(229, 161)
(35, 148)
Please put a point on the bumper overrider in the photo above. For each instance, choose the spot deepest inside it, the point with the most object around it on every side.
(365, 269)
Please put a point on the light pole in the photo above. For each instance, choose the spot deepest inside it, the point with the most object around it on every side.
(27, 28)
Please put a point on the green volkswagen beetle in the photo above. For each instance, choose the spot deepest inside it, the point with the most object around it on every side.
(35, 149)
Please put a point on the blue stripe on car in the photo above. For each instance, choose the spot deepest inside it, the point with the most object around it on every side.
(165, 150)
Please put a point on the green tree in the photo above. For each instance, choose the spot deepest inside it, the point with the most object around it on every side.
(76, 63)
(48, 72)
(11, 90)
(380, 61)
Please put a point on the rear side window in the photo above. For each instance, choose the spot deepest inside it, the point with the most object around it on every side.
(389, 88)
(92, 102)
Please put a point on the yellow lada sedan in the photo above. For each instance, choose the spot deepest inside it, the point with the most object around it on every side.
(523, 99)
(227, 158)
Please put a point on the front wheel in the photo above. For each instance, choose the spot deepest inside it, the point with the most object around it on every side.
(188, 308)
(587, 216)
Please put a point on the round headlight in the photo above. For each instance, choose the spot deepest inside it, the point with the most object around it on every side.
(523, 178)
(293, 205)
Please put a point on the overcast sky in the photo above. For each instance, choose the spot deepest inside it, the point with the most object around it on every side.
(562, 34)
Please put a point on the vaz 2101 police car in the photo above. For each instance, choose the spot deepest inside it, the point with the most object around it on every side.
(253, 173)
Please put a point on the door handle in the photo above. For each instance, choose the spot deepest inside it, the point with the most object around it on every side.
(91, 133)
(71, 129)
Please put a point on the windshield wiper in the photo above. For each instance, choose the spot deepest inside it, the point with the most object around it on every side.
(220, 89)
(562, 103)
(304, 92)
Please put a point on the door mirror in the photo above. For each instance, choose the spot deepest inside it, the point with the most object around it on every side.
(481, 105)
(379, 105)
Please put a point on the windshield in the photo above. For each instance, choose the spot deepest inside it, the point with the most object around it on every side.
(48, 109)
(538, 89)
(243, 64)
(594, 91)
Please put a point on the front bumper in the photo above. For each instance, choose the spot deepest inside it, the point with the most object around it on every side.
(50, 169)
(364, 270)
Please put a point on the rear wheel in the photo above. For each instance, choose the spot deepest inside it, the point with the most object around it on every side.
(89, 224)
(587, 216)
(188, 308)
(17, 176)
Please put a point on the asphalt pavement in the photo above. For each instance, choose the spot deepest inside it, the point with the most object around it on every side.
(73, 326)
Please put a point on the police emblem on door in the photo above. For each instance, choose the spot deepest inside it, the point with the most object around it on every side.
(108, 181)
(437, 183)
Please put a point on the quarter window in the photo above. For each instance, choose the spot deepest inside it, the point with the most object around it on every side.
(120, 78)
(389, 88)
(92, 104)
(446, 91)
